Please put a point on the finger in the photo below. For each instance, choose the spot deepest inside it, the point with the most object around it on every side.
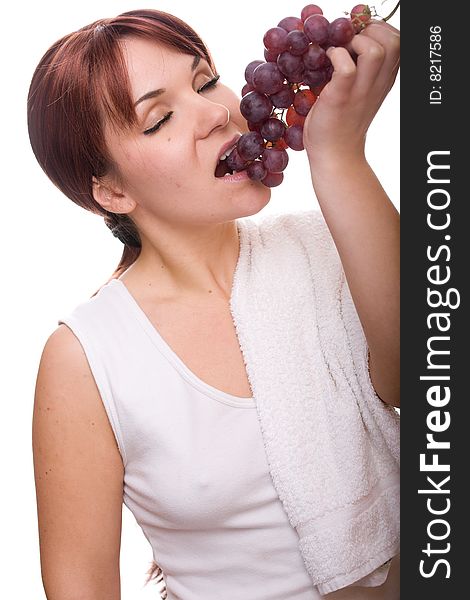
(388, 37)
(384, 25)
(344, 72)
(381, 32)
(370, 59)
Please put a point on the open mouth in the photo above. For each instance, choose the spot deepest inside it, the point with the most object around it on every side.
(222, 168)
(227, 163)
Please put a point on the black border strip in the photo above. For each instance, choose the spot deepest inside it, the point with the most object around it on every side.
(433, 121)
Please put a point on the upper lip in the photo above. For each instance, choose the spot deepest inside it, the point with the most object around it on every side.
(228, 145)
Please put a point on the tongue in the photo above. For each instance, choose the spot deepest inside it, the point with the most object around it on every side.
(222, 168)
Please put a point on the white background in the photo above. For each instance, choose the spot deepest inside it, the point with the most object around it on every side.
(55, 255)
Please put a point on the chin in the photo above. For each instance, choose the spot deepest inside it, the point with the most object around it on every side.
(248, 204)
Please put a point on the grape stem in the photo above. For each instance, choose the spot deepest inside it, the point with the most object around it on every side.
(388, 17)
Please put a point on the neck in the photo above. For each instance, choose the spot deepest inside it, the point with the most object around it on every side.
(192, 262)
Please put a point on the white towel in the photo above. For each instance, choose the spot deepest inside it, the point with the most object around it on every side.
(332, 445)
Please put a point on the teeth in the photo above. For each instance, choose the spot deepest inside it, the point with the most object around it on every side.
(227, 152)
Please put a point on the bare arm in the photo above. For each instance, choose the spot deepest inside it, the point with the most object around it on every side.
(79, 477)
(362, 220)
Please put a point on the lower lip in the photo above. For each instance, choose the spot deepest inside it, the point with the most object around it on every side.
(235, 178)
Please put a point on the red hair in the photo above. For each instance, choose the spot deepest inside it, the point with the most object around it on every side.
(80, 84)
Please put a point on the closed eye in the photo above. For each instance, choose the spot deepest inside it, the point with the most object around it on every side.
(210, 84)
(159, 124)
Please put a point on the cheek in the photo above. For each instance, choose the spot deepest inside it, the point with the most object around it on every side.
(154, 163)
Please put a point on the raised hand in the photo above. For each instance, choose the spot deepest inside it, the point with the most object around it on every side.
(339, 119)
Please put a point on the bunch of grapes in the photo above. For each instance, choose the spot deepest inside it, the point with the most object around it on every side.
(281, 90)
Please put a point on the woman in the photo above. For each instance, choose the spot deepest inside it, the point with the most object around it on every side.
(140, 390)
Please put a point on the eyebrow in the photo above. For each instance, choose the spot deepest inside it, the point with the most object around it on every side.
(160, 91)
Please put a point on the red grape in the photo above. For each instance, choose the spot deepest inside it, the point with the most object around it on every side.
(297, 42)
(250, 145)
(284, 98)
(316, 28)
(294, 137)
(275, 39)
(308, 11)
(273, 179)
(293, 117)
(296, 76)
(289, 64)
(272, 130)
(246, 88)
(275, 160)
(280, 144)
(281, 90)
(235, 162)
(360, 16)
(249, 70)
(254, 126)
(256, 170)
(256, 107)
(316, 78)
(268, 79)
(270, 55)
(303, 102)
(341, 32)
(315, 58)
(291, 23)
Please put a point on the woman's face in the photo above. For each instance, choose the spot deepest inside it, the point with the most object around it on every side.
(167, 162)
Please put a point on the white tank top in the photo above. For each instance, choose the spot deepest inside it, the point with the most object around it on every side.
(196, 476)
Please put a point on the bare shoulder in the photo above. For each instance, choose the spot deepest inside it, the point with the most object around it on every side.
(62, 350)
(66, 387)
(78, 473)
(63, 346)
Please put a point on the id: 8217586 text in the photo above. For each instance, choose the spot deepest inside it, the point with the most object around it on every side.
(435, 64)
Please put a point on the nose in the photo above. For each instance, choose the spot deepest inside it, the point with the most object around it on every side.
(210, 115)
